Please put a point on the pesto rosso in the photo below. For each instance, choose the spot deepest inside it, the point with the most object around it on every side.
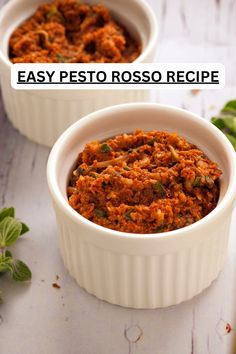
(143, 182)
(116, 77)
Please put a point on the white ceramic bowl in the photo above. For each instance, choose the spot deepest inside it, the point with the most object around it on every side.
(43, 115)
(133, 270)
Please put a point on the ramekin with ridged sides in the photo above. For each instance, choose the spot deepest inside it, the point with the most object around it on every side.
(43, 115)
(137, 270)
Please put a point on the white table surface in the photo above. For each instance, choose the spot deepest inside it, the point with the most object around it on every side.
(36, 318)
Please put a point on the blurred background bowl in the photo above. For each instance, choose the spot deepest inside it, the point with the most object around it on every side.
(43, 115)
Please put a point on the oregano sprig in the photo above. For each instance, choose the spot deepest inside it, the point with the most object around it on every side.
(226, 121)
(10, 231)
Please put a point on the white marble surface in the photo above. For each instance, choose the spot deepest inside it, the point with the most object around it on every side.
(38, 319)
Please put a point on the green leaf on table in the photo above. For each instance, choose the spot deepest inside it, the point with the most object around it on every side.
(8, 254)
(20, 271)
(232, 139)
(226, 121)
(230, 107)
(7, 212)
(5, 263)
(218, 122)
(24, 229)
(230, 123)
(10, 230)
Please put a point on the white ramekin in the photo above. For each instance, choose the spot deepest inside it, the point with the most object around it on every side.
(133, 270)
(43, 115)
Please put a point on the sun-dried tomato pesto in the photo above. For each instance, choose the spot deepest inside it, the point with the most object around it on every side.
(70, 31)
(144, 183)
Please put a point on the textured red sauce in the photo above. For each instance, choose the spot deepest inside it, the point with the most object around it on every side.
(144, 183)
(72, 32)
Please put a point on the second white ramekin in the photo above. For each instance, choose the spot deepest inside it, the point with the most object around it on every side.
(43, 115)
(133, 270)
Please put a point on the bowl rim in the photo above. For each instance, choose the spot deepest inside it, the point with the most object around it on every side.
(57, 196)
(144, 5)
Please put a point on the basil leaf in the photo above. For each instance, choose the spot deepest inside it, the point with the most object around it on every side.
(7, 212)
(160, 189)
(232, 139)
(230, 123)
(5, 263)
(55, 12)
(99, 213)
(218, 122)
(20, 271)
(128, 214)
(24, 229)
(197, 181)
(105, 148)
(8, 254)
(10, 230)
(230, 107)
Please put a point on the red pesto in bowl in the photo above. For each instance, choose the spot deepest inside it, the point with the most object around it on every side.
(145, 182)
(70, 31)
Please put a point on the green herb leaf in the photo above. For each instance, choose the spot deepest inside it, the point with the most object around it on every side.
(209, 181)
(105, 148)
(94, 175)
(78, 172)
(99, 213)
(218, 122)
(24, 229)
(159, 229)
(226, 122)
(230, 123)
(128, 214)
(230, 107)
(126, 168)
(7, 212)
(55, 12)
(196, 181)
(151, 142)
(20, 271)
(232, 139)
(5, 263)
(10, 230)
(61, 58)
(8, 254)
(160, 189)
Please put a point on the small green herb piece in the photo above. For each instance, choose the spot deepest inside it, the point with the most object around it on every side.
(226, 121)
(10, 230)
(105, 148)
(7, 212)
(99, 213)
(24, 229)
(151, 142)
(126, 168)
(128, 214)
(78, 172)
(55, 12)
(8, 254)
(159, 189)
(61, 58)
(94, 175)
(209, 181)
(197, 181)
(159, 229)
